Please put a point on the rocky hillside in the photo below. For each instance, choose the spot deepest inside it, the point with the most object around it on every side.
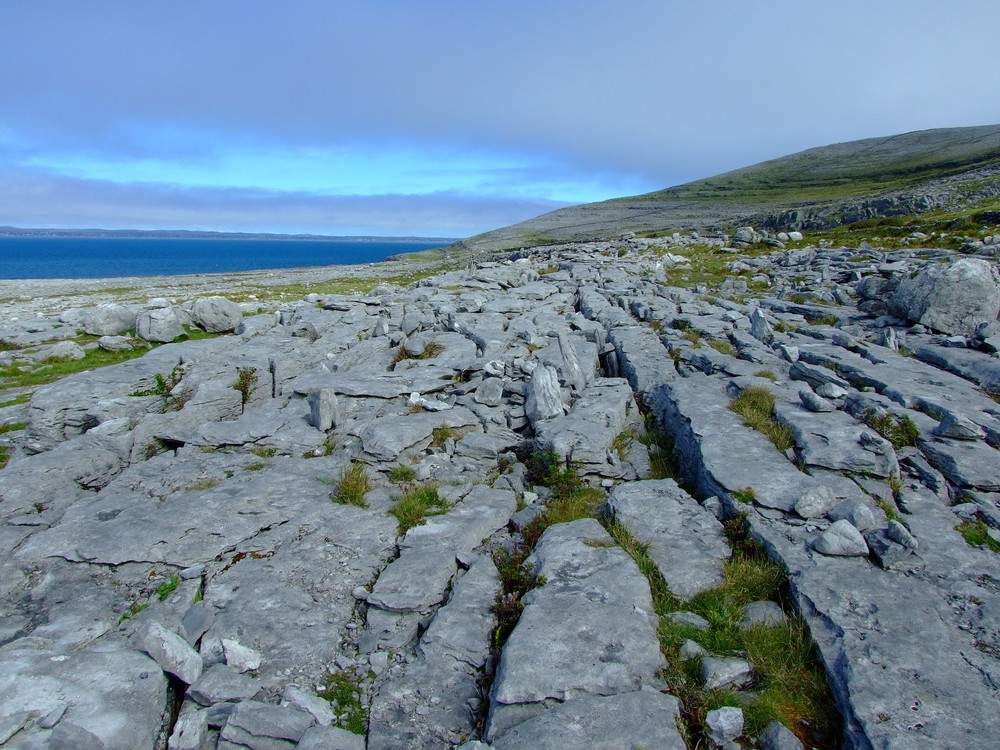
(639, 493)
(953, 171)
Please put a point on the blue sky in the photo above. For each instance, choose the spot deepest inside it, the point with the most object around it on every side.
(447, 118)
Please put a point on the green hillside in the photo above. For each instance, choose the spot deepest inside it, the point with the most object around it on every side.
(944, 170)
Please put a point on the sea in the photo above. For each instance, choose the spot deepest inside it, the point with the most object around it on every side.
(101, 257)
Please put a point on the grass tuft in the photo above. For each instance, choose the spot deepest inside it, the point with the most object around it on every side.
(756, 406)
(352, 486)
(900, 431)
(977, 534)
(416, 504)
(723, 347)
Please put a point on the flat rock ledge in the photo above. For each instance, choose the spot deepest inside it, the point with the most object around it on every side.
(183, 567)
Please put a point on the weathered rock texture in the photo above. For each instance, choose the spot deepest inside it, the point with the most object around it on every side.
(171, 530)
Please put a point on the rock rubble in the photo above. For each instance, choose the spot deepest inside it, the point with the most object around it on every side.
(177, 574)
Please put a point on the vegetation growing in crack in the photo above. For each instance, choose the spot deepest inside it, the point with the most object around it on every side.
(165, 589)
(977, 534)
(246, 380)
(343, 690)
(352, 486)
(431, 350)
(416, 503)
(789, 681)
(900, 431)
(756, 406)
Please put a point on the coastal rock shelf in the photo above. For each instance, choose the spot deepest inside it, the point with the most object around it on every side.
(299, 533)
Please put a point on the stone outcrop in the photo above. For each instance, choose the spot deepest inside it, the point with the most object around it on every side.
(186, 564)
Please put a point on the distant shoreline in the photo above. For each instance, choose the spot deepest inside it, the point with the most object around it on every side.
(180, 234)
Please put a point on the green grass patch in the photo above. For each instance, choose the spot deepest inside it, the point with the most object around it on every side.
(343, 690)
(204, 484)
(9, 346)
(4, 456)
(12, 427)
(756, 406)
(352, 486)
(790, 684)
(257, 466)
(133, 609)
(165, 589)
(977, 534)
(723, 347)
(402, 474)
(16, 401)
(416, 503)
(900, 431)
(52, 369)
(767, 375)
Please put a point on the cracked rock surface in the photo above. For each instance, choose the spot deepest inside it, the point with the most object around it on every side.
(182, 567)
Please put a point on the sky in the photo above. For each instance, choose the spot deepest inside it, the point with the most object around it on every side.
(444, 118)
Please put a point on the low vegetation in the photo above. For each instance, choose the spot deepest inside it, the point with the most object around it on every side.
(977, 534)
(416, 503)
(343, 690)
(352, 486)
(900, 431)
(756, 406)
(789, 681)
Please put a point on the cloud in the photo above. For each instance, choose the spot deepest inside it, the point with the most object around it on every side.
(523, 99)
(39, 199)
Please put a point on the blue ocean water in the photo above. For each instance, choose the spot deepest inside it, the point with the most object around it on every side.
(98, 257)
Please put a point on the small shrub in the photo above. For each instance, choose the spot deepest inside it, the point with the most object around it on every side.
(352, 486)
(516, 579)
(416, 504)
(547, 469)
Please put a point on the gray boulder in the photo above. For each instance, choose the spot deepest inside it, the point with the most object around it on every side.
(216, 314)
(953, 298)
(544, 400)
(776, 736)
(160, 325)
(108, 320)
(841, 540)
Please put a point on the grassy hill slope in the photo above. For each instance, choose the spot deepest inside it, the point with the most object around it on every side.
(950, 168)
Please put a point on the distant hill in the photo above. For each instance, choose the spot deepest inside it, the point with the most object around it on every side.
(931, 170)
